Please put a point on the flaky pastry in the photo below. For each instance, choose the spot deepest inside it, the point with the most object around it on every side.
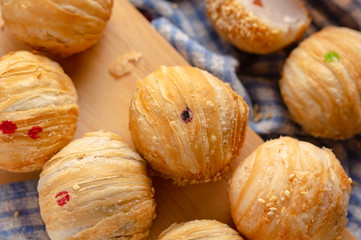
(187, 124)
(289, 189)
(321, 83)
(258, 26)
(38, 110)
(96, 188)
(62, 27)
(200, 229)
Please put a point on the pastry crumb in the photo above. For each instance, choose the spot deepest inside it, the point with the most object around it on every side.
(124, 64)
(258, 3)
(16, 214)
(257, 115)
(175, 5)
(269, 115)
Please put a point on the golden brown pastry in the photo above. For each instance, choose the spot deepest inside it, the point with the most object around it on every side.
(321, 83)
(96, 188)
(63, 27)
(38, 110)
(289, 189)
(200, 229)
(259, 26)
(187, 124)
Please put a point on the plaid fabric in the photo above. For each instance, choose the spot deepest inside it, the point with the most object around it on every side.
(184, 24)
(19, 212)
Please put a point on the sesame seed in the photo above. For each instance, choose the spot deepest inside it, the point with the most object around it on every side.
(261, 200)
(270, 204)
(273, 209)
(292, 176)
(76, 187)
(350, 180)
(287, 193)
(270, 213)
(283, 210)
(273, 199)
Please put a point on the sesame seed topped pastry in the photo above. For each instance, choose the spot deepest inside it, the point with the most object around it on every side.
(187, 124)
(200, 229)
(321, 83)
(259, 26)
(38, 111)
(96, 188)
(290, 189)
(61, 27)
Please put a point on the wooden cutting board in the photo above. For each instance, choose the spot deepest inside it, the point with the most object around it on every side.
(104, 103)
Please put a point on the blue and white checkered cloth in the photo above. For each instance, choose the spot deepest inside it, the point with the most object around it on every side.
(184, 24)
(19, 212)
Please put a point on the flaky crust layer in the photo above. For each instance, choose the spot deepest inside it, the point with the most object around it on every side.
(35, 93)
(249, 33)
(321, 83)
(105, 188)
(63, 27)
(200, 229)
(289, 189)
(187, 124)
